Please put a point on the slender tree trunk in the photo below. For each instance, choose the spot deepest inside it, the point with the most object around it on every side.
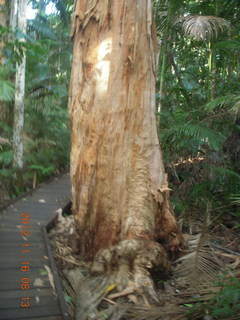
(3, 23)
(211, 73)
(119, 186)
(13, 14)
(19, 94)
(162, 74)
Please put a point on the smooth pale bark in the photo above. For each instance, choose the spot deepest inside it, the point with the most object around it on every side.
(119, 187)
(19, 93)
(13, 14)
(3, 23)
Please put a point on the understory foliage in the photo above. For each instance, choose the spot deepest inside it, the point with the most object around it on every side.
(46, 134)
(199, 106)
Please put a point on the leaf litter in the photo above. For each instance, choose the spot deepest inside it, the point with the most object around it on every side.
(194, 278)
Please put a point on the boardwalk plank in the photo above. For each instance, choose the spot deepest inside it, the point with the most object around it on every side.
(33, 292)
(34, 302)
(44, 302)
(26, 313)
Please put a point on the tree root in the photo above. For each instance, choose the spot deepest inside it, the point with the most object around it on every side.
(129, 265)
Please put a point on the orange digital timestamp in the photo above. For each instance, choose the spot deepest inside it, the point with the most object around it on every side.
(25, 282)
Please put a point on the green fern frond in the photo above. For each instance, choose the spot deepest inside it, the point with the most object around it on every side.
(203, 133)
(6, 90)
(6, 158)
(228, 45)
(235, 198)
(42, 29)
(230, 102)
(61, 7)
(6, 173)
(221, 171)
(42, 170)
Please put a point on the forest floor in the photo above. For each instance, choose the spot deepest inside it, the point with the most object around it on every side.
(205, 281)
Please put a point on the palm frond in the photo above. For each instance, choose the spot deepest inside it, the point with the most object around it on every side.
(156, 313)
(200, 267)
(235, 198)
(203, 27)
(88, 292)
(214, 139)
(228, 45)
(42, 29)
(221, 171)
(231, 102)
(62, 8)
(6, 90)
(89, 295)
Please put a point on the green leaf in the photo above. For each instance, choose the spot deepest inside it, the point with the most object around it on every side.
(222, 171)
(6, 157)
(6, 90)
(68, 299)
(204, 133)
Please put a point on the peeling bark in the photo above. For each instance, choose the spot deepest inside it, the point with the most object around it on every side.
(119, 187)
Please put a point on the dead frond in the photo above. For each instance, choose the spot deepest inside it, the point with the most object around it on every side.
(203, 27)
(157, 313)
(87, 293)
(200, 267)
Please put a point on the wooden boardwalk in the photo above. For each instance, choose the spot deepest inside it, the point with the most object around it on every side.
(26, 287)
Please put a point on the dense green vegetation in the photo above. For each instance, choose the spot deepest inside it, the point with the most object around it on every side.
(199, 123)
(198, 101)
(46, 134)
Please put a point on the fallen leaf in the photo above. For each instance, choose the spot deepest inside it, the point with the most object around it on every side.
(37, 299)
(50, 276)
(38, 282)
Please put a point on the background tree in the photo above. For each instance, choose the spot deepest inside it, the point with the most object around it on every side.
(119, 186)
(19, 93)
(48, 53)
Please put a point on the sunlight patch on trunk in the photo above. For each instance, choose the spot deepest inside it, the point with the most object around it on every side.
(103, 65)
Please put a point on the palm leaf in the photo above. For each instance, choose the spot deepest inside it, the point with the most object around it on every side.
(6, 90)
(199, 267)
(87, 292)
(89, 295)
(156, 313)
(228, 45)
(232, 102)
(64, 13)
(42, 29)
(203, 27)
(235, 199)
(222, 171)
(203, 133)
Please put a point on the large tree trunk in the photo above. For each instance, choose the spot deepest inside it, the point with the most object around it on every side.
(19, 93)
(119, 186)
